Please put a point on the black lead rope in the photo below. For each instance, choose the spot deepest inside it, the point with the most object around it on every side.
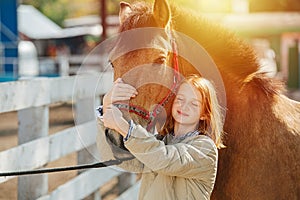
(60, 169)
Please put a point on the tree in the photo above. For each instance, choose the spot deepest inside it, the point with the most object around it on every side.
(56, 10)
(59, 10)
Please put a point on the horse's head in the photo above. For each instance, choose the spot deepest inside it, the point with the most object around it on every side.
(145, 57)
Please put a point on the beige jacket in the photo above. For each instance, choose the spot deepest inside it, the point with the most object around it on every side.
(172, 169)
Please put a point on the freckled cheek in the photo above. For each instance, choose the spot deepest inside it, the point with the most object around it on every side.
(175, 105)
(198, 113)
(174, 108)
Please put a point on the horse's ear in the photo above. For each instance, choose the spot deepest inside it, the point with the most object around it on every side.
(161, 12)
(125, 10)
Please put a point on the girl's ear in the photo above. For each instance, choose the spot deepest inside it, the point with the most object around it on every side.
(202, 118)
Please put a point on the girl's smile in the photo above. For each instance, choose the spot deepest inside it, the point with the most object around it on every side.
(182, 113)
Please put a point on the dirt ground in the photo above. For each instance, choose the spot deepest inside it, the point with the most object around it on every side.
(61, 117)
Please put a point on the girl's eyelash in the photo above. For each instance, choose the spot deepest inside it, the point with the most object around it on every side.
(196, 102)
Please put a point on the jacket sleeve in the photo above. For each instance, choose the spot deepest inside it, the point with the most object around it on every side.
(194, 159)
(109, 151)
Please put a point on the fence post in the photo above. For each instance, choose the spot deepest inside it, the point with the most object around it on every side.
(85, 111)
(293, 78)
(33, 124)
(63, 65)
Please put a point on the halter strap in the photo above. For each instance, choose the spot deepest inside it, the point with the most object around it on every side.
(150, 116)
(164, 101)
(134, 109)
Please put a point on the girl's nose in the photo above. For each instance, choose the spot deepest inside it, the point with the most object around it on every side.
(183, 105)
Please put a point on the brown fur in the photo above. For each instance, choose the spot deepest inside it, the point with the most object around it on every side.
(262, 157)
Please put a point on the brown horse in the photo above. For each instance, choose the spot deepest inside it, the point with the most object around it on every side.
(262, 157)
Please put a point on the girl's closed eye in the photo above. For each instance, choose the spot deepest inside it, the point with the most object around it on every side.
(195, 103)
(178, 99)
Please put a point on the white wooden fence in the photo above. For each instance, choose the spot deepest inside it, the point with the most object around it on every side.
(31, 99)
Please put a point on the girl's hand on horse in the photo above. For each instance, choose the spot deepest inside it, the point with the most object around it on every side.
(113, 119)
(120, 91)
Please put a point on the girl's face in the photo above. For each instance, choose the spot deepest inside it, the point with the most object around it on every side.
(187, 106)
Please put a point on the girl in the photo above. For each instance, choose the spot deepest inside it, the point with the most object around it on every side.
(183, 165)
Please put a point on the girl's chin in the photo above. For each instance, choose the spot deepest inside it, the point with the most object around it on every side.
(180, 120)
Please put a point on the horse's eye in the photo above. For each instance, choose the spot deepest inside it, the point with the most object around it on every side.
(160, 60)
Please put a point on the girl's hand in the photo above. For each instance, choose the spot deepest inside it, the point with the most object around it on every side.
(120, 91)
(113, 119)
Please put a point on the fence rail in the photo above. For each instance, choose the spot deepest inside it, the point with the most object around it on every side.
(24, 94)
(31, 99)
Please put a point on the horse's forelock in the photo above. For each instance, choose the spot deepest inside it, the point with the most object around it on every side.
(141, 15)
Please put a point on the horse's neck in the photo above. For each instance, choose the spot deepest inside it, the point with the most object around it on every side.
(288, 110)
(235, 59)
(228, 51)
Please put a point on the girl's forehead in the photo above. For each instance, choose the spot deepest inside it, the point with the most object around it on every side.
(186, 87)
(188, 90)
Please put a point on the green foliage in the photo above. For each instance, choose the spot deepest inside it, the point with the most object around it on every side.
(56, 10)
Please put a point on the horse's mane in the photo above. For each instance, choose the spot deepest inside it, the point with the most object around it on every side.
(233, 56)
